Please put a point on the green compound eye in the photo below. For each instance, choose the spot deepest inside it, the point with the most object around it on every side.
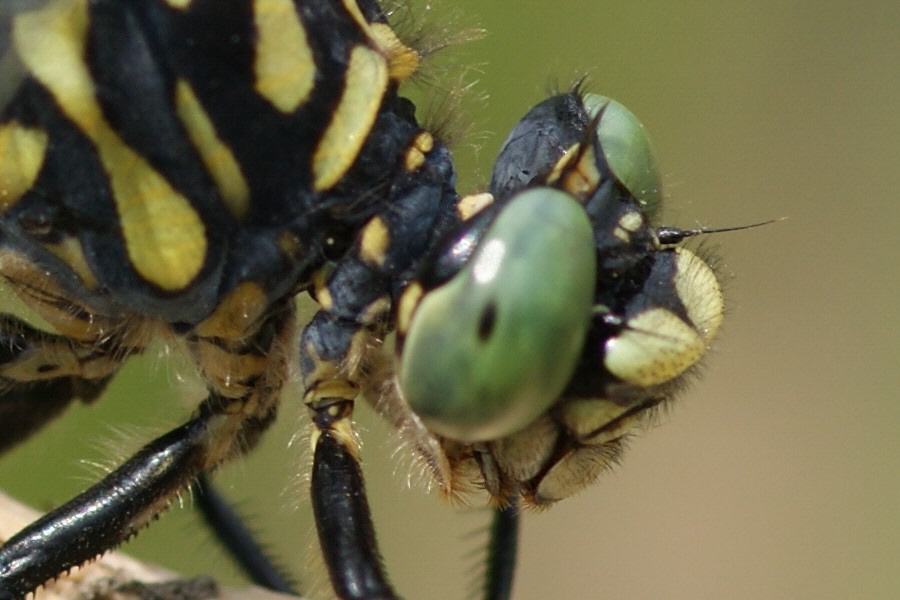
(492, 349)
(627, 149)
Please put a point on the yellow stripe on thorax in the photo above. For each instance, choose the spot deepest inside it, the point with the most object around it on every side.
(22, 152)
(223, 167)
(352, 119)
(284, 65)
(164, 236)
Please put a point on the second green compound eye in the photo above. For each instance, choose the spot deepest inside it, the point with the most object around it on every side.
(492, 349)
(628, 150)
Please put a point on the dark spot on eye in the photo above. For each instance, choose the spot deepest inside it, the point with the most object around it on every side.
(47, 368)
(487, 321)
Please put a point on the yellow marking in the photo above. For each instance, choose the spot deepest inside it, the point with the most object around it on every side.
(374, 241)
(621, 234)
(22, 152)
(413, 159)
(179, 4)
(424, 141)
(364, 86)
(524, 454)
(596, 420)
(700, 293)
(415, 153)
(164, 236)
(228, 371)
(33, 366)
(354, 362)
(219, 161)
(631, 221)
(628, 223)
(409, 300)
(343, 431)
(579, 179)
(375, 310)
(471, 205)
(574, 471)
(284, 67)
(328, 389)
(289, 245)
(583, 179)
(69, 251)
(353, 8)
(237, 315)
(656, 347)
(562, 163)
(320, 288)
(47, 305)
(402, 60)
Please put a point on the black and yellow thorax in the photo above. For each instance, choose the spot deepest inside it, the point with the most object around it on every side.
(169, 151)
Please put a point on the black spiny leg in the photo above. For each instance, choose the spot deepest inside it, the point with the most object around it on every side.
(341, 509)
(334, 368)
(106, 514)
(126, 500)
(231, 531)
(502, 549)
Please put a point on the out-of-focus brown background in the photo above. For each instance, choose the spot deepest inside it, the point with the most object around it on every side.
(777, 476)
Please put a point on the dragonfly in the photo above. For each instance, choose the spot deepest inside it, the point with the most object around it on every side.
(183, 170)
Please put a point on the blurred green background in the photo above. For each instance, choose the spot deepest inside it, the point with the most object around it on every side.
(777, 476)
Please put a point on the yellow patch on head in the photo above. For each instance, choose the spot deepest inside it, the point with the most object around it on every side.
(572, 473)
(628, 223)
(656, 347)
(700, 293)
(285, 69)
(221, 164)
(621, 234)
(631, 221)
(584, 178)
(164, 236)
(352, 119)
(179, 4)
(22, 152)
(581, 178)
(596, 420)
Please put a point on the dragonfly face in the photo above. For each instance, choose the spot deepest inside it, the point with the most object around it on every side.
(557, 319)
(169, 168)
